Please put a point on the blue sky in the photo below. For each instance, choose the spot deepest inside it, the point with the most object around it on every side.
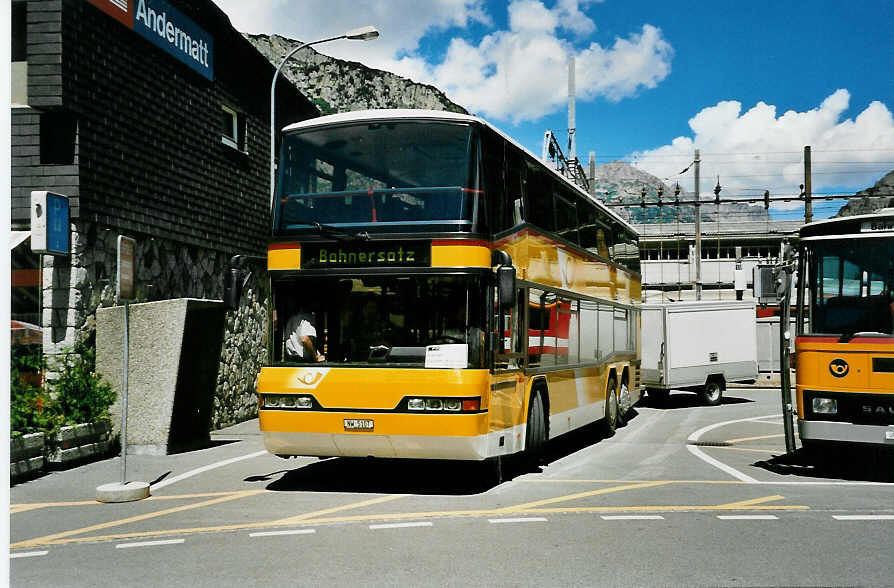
(748, 83)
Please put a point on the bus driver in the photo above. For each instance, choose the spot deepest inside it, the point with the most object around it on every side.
(300, 345)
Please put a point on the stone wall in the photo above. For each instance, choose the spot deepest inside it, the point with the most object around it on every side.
(74, 288)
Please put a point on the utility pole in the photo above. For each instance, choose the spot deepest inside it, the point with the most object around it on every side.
(592, 173)
(698, 230)
(808, 205)
(572, 123)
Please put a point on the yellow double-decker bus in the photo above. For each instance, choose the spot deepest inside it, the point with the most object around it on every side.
(845, 362)
(466, 301)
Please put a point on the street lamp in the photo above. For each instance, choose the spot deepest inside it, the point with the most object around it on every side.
(367, 33)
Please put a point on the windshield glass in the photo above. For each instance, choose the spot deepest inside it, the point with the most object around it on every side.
(418, 321)
(377, 177)
(852, 286)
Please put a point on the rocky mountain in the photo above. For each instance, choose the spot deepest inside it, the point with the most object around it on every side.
(881, 195)
(340, 86)
(621, 182)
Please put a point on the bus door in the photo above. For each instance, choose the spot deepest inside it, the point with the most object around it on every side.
(508, 381)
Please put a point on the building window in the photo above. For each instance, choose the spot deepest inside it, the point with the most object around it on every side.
(58, 136)
(19, 30)
(232, 128)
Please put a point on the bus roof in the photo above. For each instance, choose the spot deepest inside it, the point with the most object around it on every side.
(843, 225)
(408, 114)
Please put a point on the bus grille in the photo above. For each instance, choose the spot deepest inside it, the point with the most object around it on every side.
(859, 409)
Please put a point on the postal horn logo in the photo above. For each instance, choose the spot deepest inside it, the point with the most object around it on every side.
(310, 377)
(838, 368)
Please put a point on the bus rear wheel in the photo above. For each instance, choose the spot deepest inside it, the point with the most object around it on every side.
(610, 422)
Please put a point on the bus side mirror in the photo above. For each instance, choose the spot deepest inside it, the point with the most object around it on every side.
(233, 287)
(506, 286)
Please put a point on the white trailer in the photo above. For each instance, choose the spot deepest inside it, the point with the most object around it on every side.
(698, 346)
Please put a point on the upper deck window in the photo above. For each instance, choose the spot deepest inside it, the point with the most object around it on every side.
(385, 176)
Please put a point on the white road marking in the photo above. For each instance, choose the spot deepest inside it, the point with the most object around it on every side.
(518, 520)
(633, 517)
(149, 543)
(696, 451)
(27, 554)
(276, 533)
(197, 471)
(748, 517)
(863, 517)
(401, 525)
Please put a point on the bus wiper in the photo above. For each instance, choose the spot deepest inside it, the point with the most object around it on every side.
(339, 234)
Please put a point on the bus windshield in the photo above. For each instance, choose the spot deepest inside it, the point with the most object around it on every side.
(385, 320)
(377, 177)
(852, 283)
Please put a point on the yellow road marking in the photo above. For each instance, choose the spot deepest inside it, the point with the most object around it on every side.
(311, 515)
(739, 440)
(753, 501)
(658, 508)
(63, 538)
(56, 536)
(771, 451)
(316, 517)
(28, 506)
(576, 481)
(529, 505)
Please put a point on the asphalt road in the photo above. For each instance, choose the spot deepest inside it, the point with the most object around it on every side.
(683, 495)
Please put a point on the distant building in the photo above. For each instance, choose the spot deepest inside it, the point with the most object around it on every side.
(667, 253)
(152, 116)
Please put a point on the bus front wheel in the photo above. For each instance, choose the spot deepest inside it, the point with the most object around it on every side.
(535, 436)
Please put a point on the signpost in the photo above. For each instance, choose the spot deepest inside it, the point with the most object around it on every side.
(124, 290)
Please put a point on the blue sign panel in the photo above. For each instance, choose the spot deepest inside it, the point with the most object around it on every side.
(58, 234)
(166, 27)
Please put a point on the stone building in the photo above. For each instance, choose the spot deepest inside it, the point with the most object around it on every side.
(152, 116)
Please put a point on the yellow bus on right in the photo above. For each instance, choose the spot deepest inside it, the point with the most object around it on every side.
(845, 355)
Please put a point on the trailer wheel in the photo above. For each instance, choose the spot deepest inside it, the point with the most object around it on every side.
(712, 393)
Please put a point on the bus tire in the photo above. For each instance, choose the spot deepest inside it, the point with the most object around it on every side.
(712, 393)
(610, 421)
(535, 435)
(624, 404)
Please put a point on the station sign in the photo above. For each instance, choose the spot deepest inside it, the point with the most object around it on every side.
(124, 282)
(167, 28)
(50, 223)
(882, 225)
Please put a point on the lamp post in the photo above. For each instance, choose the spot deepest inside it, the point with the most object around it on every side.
(366, 33)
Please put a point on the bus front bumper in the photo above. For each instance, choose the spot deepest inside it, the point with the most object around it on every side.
(846, 432)
(423, 436)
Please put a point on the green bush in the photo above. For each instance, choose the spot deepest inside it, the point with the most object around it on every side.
(79, 395)
(30, 407)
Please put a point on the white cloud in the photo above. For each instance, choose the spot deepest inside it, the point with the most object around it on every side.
(518, 74)
(758, 150)
(402, 24)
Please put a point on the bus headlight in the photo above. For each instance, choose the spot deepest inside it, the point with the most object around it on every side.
(435, 404)
(452, 404)
(286, 401)
(825, 406)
